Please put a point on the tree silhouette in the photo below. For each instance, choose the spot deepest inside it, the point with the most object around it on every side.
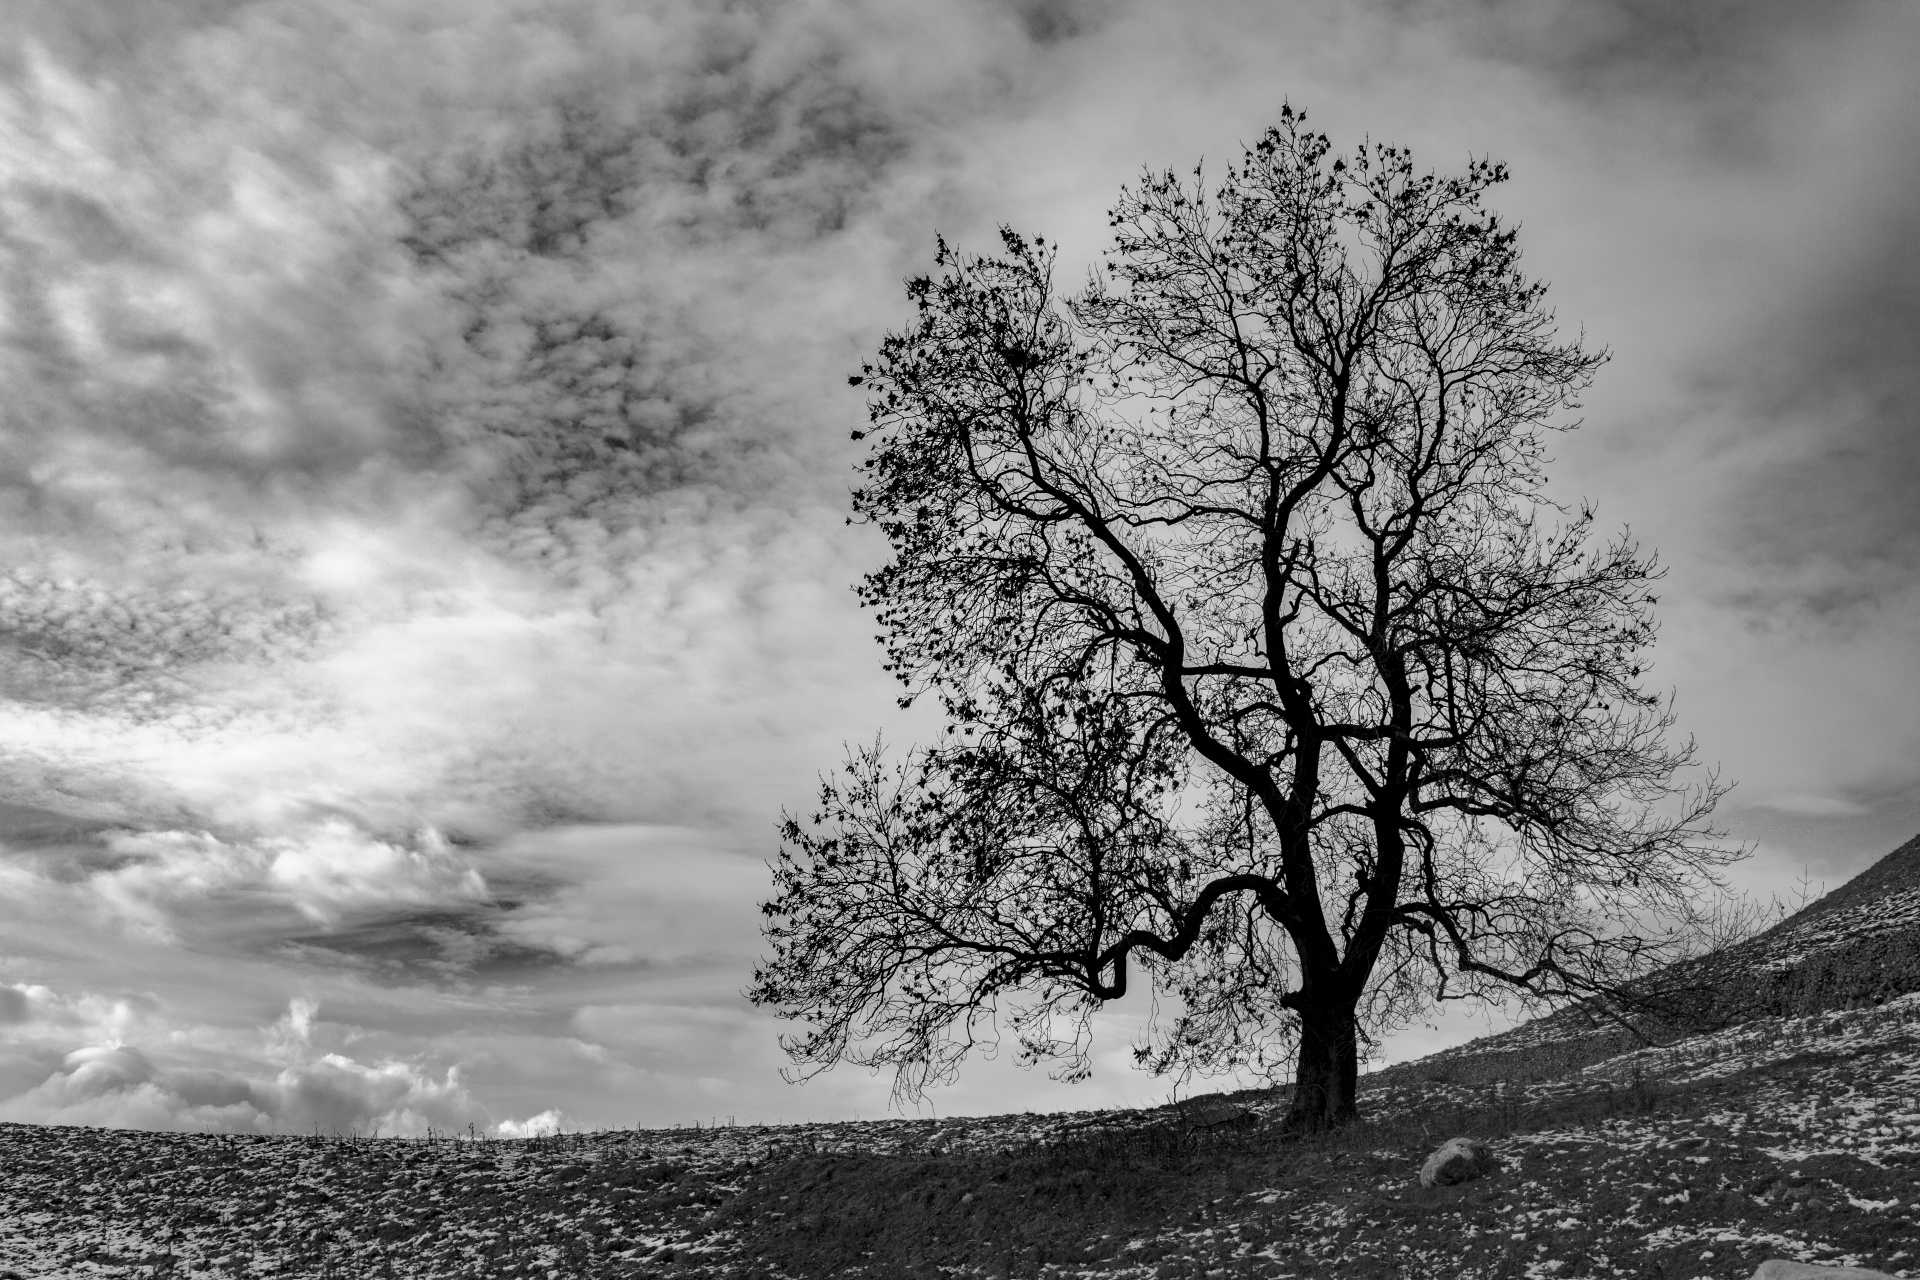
(1269, 669)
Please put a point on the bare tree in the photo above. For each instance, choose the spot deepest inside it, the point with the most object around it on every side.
(1269, 668)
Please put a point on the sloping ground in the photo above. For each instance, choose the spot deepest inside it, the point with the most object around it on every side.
(1780, 1116)
(1856, 947)
(1795, 1138)
(1784, 1138)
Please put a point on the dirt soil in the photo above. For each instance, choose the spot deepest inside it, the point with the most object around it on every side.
(1788, 1137)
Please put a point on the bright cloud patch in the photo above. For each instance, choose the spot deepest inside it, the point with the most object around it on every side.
(327, 874)
(119, 1087)
(549, 1121)
(41, 1014)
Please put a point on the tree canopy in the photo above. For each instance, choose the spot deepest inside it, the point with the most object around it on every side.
(1269, 669)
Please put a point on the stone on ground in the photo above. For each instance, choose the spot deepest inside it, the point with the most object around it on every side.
(1781, 1269)
(1457, 1160)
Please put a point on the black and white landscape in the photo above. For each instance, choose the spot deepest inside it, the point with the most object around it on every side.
(1370, 502)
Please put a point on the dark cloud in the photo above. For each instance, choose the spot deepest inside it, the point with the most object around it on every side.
(26, 827)
(85, 225)
(1805, 121)
(1833, 512)
(1716, 54)
(459, 946)
(132, 648)
(597, 397)
(1051, 21)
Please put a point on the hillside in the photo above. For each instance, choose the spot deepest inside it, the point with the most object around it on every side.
(1791, 1134)
(1856, 947)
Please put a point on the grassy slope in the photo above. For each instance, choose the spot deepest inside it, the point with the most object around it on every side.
(1857, 946)
(1792, 1134)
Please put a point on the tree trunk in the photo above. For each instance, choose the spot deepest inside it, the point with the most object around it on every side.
(1328, 1073)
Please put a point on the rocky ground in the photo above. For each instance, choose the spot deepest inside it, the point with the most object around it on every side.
(1795, 1138)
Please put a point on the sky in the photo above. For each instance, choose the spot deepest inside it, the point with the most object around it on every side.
(424, 454)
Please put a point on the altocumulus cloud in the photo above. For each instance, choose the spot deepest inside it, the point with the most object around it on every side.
(423, 453)
(460, 356)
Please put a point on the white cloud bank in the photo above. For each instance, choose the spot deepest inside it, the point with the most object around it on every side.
(120, 1085)
(549, 1121)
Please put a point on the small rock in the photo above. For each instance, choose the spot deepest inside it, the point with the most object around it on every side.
(1457, 1160)
(1781, 1269)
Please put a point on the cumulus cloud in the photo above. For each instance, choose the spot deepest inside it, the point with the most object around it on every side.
(119, 1085)
(548, 1121)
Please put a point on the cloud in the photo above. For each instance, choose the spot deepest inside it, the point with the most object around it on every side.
(1622, 50)
(119, 1085)
(41, 1014)
(325, 875)
(658, 896)
(1814, 806)
(379, 435)
(549, 1121)
(424, 436)
(504, 341)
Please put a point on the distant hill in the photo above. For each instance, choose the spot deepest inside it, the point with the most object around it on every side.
(1857, 946)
